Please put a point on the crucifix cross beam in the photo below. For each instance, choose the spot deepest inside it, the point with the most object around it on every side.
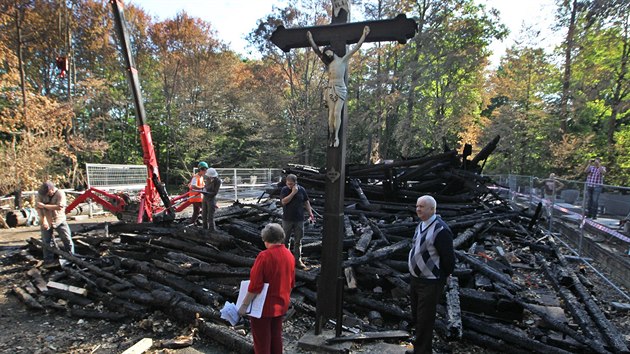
(338, 35)
(335, 37)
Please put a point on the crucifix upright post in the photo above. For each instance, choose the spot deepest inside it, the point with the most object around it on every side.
(336, 37)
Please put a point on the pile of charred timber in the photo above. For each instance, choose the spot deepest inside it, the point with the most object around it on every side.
(513, 289)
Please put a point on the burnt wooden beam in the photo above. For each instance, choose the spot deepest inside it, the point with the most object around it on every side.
(225, 336)
(608, 331)
(27, 299)
(38, 280)
(511, 335)
(175, 282)
(575, 308)
(109, 316)
(401, 163)
(489, 272)
(205, 251)
(485, 152)
(69, 297)
(468, 234)
(82, 263)
(364, 240)
(384, 307)
(595, 345)
(453, 310)
(468, 223)
(379, 254)
(367, 336)
(198, 267)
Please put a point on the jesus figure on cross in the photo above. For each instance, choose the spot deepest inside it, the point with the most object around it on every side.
(336, 91)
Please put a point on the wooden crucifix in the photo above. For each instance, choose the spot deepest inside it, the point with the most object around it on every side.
(335, 37)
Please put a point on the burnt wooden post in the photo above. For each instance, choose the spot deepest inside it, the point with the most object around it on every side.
(338, 35)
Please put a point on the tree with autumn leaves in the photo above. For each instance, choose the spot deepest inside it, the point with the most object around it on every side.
(204, 102)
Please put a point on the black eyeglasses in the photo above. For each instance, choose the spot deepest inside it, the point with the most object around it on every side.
(203, 168)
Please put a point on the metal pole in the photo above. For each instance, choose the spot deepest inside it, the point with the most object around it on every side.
(552, 205)
(235, 187)
(339, 324)
(531, 190)
(579, 251)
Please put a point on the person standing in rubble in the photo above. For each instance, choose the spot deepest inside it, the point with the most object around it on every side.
(294, 201)
(195, 188)
(274, 266)
(212, 184)
(51, 207)
(431, 261)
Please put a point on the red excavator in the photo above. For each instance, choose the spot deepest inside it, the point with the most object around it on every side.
(153, 203)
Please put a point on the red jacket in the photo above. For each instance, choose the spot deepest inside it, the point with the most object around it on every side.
(276, 266)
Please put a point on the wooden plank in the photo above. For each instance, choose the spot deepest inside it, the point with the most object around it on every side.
(369, 336)
(351, 280)
(140, 347)
(66, 287)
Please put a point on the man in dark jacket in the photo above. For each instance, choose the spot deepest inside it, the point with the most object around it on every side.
(431, 261)
(294, 202)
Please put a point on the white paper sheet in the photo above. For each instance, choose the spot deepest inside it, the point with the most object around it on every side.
(229, 312)
(256, 307)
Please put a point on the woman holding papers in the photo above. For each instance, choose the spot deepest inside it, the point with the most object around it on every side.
(275, 266)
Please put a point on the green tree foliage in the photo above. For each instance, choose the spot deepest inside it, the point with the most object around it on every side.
(303, 107)
(600, 86)
(522, 81)
(430, 89)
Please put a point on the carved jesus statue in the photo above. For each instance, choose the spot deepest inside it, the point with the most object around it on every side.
(336, 90)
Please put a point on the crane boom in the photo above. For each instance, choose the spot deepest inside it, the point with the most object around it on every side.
(154, 190)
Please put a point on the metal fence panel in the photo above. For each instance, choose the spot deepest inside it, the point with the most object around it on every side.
(110, 176)
(246, 183)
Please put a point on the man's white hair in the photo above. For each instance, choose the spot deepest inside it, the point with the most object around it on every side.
(430, 200)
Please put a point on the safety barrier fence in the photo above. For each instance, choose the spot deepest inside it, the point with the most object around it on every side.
(111, 176)
(571, 199)
(246, 183)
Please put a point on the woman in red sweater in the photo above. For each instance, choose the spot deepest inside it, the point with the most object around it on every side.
(276, 266)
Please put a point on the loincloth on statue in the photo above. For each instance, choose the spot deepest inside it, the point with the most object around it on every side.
(336, 91)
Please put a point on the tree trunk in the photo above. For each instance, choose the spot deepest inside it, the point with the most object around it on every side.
(566, 79)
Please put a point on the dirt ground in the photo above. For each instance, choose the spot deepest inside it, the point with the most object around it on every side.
(26, 331)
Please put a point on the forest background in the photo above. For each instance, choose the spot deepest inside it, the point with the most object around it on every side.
(553, 110)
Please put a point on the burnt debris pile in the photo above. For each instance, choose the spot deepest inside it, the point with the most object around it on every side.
(513, 289)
